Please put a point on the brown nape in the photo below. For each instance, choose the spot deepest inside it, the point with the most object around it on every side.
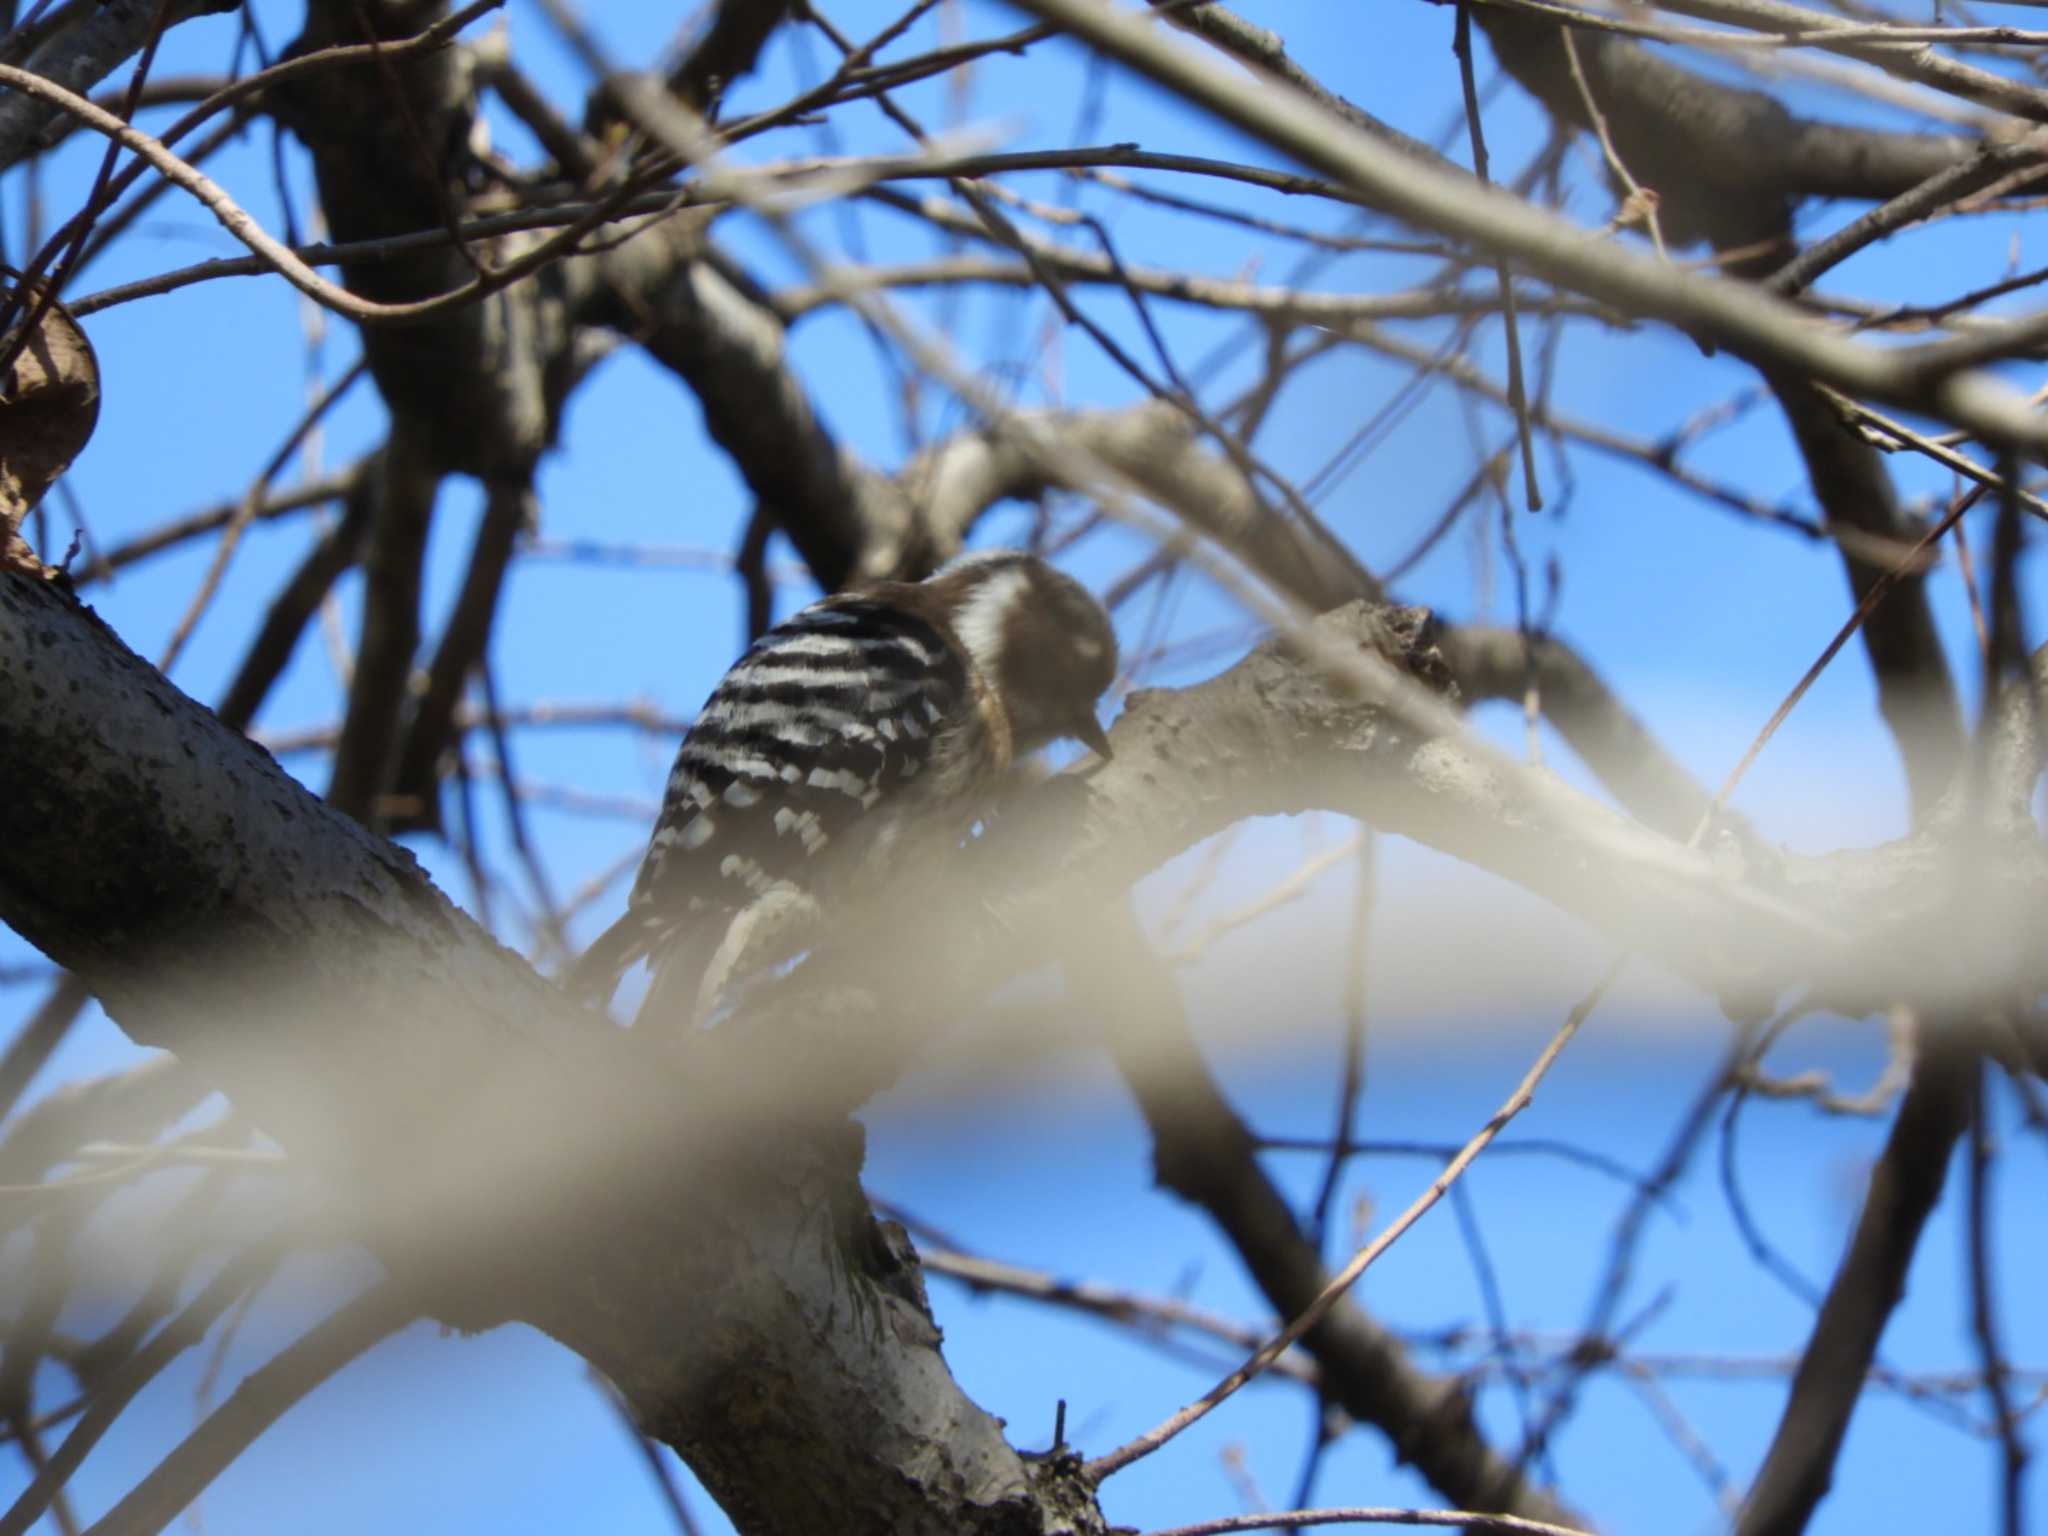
(1056, 651)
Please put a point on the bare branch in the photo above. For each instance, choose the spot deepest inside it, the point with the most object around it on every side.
(259, 1402)
(1203, 1152)
(1904, 1186)
(77, 58)
(1743, 321)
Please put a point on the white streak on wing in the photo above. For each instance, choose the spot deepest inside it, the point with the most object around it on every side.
(747, 870)
(770, 674)
(983, 618)
(812, 725)
(843, 780)
(906, 642)
(799, 642)
(699, 832)
(802, 728)
(832, 647)
(742, 794)
(804, 825)
(740, 764)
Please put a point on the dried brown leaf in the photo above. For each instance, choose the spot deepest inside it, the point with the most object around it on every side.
(49, 404)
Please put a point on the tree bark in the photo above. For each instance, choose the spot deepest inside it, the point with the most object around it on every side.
(506, 1156)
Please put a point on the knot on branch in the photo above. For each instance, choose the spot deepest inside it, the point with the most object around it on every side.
(1407, 639)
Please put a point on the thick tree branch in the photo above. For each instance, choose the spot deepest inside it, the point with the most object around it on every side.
(1904, 1186)
(1924, 64)
(696, 315)
(1728, 166)
(1203, 1153)
(470, 387)
(81, 55)
(1275, 736)
(726, 49)
(509, 509)
(1608, 737)
(400, 492)
(685, 1212)
(731, 1283)
(1915, 692)
(295, 959)
(1726, 313)
(1726, 163)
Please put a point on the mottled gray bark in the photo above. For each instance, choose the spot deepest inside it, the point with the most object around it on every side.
(78, 56)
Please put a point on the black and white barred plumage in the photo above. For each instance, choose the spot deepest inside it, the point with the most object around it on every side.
(869, 724)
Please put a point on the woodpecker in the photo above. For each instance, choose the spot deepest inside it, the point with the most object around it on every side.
(872, 726)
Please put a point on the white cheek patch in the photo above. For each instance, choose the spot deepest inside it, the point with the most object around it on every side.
(985, 615)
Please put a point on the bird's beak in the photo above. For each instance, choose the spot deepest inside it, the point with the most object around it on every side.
(1089, 732)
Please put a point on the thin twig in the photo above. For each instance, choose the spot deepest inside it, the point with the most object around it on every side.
(251, 504)
(1352, 1082)
(1297, 1519)
(1641, 202)
(176, 1336)
(1984, 1314)
(1518, 397)
(254, 1406)
(1343, 1280)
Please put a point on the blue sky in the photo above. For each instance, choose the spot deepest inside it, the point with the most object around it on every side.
(1699, 620)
